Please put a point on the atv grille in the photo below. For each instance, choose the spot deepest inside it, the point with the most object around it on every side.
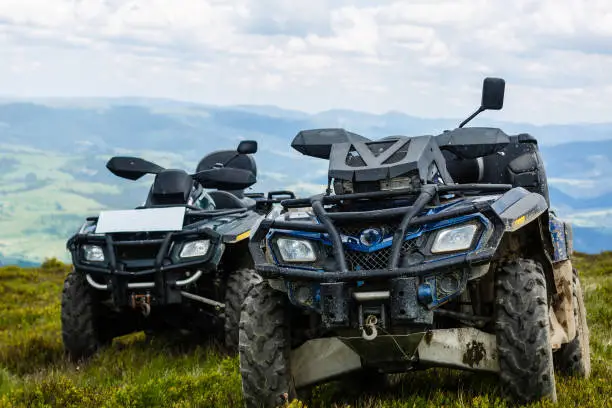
(355, 230)
(137, 252)
(357, 260)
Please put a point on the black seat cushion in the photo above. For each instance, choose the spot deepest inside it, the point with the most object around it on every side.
(226, 200)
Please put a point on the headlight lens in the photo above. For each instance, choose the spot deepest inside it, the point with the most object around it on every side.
(296, 250)
(454, 239)
(93, 253)
(195, 248)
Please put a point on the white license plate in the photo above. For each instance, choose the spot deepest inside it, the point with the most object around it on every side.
(145, 220)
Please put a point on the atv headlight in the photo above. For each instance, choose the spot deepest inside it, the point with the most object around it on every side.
(296, 250)
(195, 248)
(93, 253)
(454, 239)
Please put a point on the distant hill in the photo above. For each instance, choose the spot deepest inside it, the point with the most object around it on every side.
(18, 262)
(53, 152)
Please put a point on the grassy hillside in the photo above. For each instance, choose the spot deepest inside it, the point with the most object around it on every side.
(137, 373)
(45, 196)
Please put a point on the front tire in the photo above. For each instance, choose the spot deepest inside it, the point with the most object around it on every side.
(574, 358)
(238, 285)
(264, 348)
(80, 318)
(523, 333)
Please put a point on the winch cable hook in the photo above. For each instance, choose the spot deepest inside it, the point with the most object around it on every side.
(369, 331)
(146, 309)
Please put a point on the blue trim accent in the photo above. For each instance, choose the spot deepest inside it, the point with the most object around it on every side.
(488, 227)
(429, 288)
(558, 235)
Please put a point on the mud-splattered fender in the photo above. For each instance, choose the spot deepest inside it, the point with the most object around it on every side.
(561, 234)
(518, 207)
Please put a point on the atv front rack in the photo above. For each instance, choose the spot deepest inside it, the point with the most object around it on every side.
(409, 217)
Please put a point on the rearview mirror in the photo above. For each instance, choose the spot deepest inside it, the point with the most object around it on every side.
(493, 93)
(247, 147)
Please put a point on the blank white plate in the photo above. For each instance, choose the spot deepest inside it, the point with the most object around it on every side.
(145, 220)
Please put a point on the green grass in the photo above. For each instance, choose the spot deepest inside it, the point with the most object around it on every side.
(137, 373)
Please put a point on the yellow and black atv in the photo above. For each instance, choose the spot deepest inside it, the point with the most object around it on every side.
(180, 261)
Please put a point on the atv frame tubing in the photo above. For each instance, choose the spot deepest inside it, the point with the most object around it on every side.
(409, 216)
(164, 287)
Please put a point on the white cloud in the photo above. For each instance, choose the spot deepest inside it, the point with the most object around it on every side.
(422, 57)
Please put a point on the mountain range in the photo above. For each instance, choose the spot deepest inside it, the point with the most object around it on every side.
(53, 154)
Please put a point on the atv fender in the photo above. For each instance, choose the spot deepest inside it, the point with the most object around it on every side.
(518, 207)
(525, 214)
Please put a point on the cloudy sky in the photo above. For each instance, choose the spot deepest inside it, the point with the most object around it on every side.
(422, 57)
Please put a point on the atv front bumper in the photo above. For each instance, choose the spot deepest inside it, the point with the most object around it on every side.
(157, 271)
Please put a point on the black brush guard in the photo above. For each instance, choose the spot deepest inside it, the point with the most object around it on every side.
(409, 218)
(165, 289)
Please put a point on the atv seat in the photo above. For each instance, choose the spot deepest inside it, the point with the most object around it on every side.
(228, 158)
(229, 199)
(519, 164)
(226, 200)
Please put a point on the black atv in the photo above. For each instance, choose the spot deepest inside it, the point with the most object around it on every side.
(433, 251)
(180, 261)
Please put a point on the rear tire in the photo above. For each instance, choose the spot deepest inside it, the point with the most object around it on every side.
(574, 358)
(523, 333)
(238, 285)
(80, 316)
(264, 348)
